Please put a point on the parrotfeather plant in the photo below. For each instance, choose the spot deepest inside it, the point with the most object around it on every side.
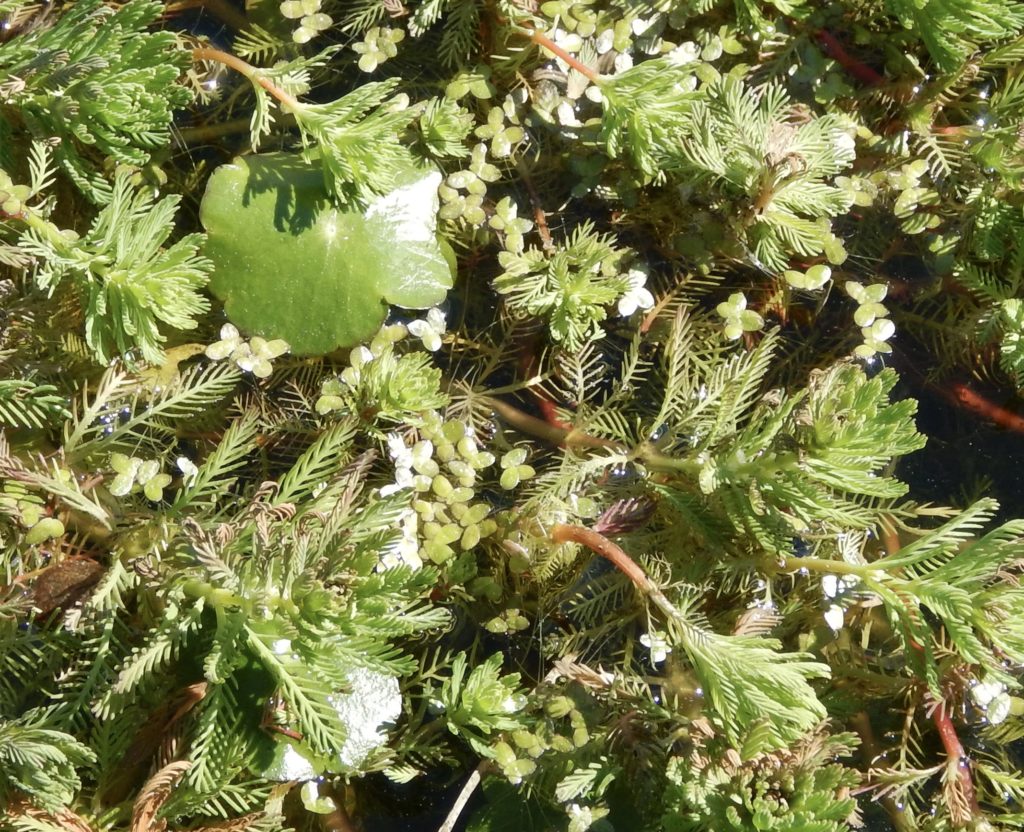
(513, 396)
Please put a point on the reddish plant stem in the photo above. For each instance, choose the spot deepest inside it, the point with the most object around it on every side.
(601, 545)
(541, 39)
(963, 396)
(858, 69)
(540, 217)
(547, 408)
(940, 715)
(205, 53)
(955, 752)
(549, 411)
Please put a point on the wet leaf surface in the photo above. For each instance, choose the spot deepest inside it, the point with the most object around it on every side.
(291, 265)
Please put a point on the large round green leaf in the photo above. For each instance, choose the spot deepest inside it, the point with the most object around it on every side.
(291, 265)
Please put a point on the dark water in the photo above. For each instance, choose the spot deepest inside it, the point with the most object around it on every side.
(966, 457)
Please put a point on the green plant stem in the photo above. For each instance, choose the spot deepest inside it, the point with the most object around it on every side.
(831, 567)
(53, 235)
(571, 437)
(211, 132)
(216, 596)
(286, 99)
(531, 425)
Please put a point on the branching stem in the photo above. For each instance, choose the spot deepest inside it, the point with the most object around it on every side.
(286, 99)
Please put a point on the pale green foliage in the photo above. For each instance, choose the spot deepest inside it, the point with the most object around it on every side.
(445, 125)
(25, 404)
(792, 792)
(749, 682)
(956, 579)
(460, 29)
(384, 383)
(131, 279)
(480, 703)
(781, 465)
(1000, 316)
(738, 319)
(772, 169)
(96, 79)
(571, 287)
(637, 569)
(951, 30)
(646, 109)
(358, 141)
(378, 46)
(41, 763)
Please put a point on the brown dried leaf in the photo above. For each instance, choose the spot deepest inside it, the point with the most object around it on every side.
(64, 584)
(154, 794)
(63, 819)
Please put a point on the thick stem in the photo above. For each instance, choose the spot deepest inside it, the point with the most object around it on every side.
(601, 545)
(571, 437)
(963, 396)
(955, 752)
(831, 567)
(205, 53)
(208, 133)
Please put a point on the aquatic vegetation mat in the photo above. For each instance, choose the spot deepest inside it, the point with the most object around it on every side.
(580, 415)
